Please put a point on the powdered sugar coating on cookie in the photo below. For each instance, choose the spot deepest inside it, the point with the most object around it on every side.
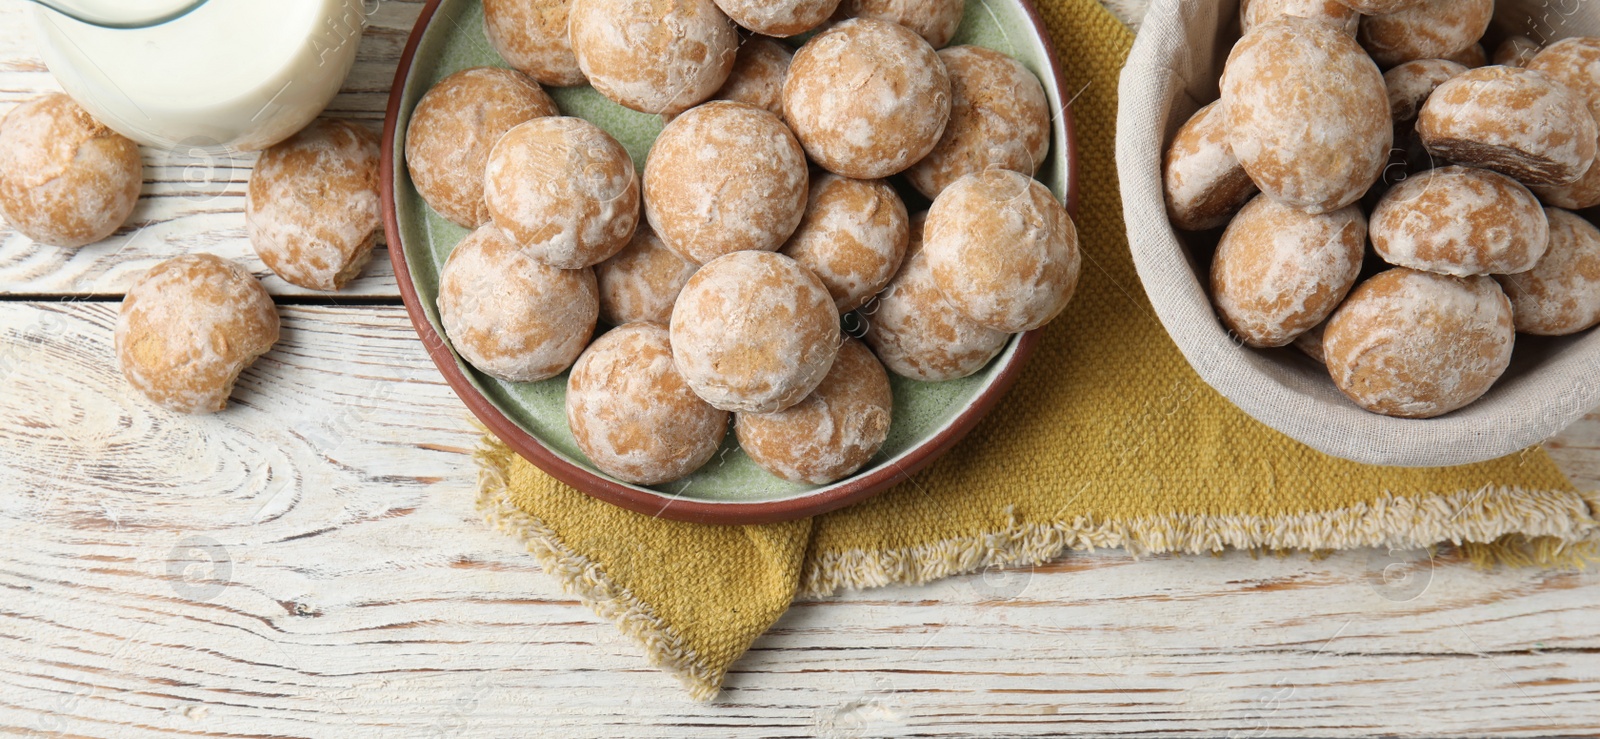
(999, 118)
(1430, 29)
(781, 18)
(1279, 271)
(1514, 121)
(510, 316)
(1308, 114)
(867, 98)
(1003, 250)
(935, 21)
(758, 75)
(654, 56)
(633, 415)
(312, 206)
(563, 190)
(853, 237)
(725, 177)
(453, 128)
(1460, 221)
(1417, 344)
(916, 333)
(65, 179)
(1574, 62)
(833, 432)
(754, 331)
(531, 35)
(1333, 12)
(1410, 84)
(1380, 7)
(188, 327)
(1205, 184)
(641, 282)
(1561, 294)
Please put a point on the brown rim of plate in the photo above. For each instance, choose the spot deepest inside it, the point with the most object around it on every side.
(830, 498)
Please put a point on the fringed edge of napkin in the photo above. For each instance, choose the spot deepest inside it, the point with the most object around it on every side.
(1492, 525)
(581, 576)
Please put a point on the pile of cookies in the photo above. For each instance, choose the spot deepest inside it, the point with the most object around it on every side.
(1462, 175)
(769, 207)
(191, 324)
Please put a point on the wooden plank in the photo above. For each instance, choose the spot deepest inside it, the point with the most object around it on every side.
(309, 563)
(191, 202)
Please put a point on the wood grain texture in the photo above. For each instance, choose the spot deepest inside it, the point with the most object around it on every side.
(308, 563)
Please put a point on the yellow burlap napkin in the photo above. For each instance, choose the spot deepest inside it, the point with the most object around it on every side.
(1108, 440)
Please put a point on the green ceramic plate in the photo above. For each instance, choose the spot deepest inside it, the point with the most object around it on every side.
(530, 417)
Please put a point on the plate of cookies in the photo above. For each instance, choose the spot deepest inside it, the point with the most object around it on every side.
(1371, 224)
(730, 261)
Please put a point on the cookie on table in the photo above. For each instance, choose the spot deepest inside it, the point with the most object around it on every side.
(188, 327)
(312, 207)
(1431, 29)
(1341, 16)
(651, 56)
(1515, 121)
(510, 316)
(1561, 294)
(641, 282)
(935, 21)
(725, 177)
(853, 236)
(999, 118)
(1004, 251)
(531, 35)
(1415, 344)
(916, 334)
(65, 179)
(563, 191)
(758, 74)
(453, 128)
(1574, 62)
(833, 432)
(780, 18)
(867, 98)
(1460, 221)
(1335, 91)
(1204, 182)
(1278, 271)
(633, 415)
(754, 332)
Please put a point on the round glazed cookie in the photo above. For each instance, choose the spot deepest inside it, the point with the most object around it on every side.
(754, 332)
(1417, 344)
(641, 282)
(830, 434)
(725, 177)
(188, 327)
(758, 74)
(935, 21)
(453, 128)
(867, 98)
(1516, 51)
(1428, 30)
(65, 180)
(510, 316)
(1514, 121)
(1410, 84)
(781, 18)
(1472, 57)
(633, 415)
(654, 56)
(916, 333)
(1003, 250)
(1380, 7)
(1460, 221)
(853, 237)
(1279, 271)
(563, 191)
(531, 35)
(1336, 93)
(1255, 12)
(1205, 184)
(312, 206)
(1561, 294)
(999, 117)
(1575, 63)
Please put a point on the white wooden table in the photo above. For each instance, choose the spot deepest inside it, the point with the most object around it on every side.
(309, 563)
